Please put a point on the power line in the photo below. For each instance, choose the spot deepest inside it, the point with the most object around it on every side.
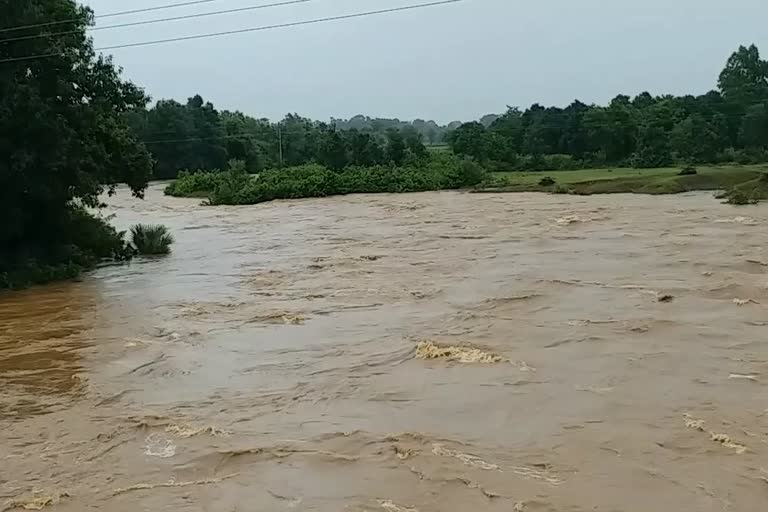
(110, 15)
(151, 9)
(246, 30)
(161, 20)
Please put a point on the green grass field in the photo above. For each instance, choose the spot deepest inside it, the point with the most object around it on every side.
(641, 181)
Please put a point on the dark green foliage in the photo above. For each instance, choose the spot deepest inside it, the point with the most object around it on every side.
(151, 240)
(687, 171)
(743, 81)
(546, 181)
(748, 192)
(470, 173)
(197, 136)
(79, 243)
(727, 125)
(192, 184)
(739, 198)
(63, 141)
(436, 173)
(182, 136)
(470, 139)
(561, 189)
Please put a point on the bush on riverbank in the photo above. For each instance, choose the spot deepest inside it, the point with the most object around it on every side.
(79, 243)
(193, 184)
(235, 186)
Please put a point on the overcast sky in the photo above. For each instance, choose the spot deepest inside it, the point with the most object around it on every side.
(450, 62)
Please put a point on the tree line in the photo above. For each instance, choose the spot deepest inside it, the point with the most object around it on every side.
(195, 136)
(729, 124)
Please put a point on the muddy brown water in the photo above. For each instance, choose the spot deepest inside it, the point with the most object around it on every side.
(270, 363)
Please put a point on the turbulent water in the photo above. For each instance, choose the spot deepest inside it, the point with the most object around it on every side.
(432, 352)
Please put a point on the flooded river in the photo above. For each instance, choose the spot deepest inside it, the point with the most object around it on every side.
(433, 352)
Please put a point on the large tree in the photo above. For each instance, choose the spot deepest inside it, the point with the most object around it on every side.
(63, 137)
(745, 78)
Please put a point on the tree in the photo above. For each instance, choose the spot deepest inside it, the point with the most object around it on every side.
(414, 142)
(332, 151)
(652, 147)
(694, 140)
(364, 149)
(245, 140)
(209, 151)
(469, 139)
(754, 128)
(395, 146)
(744, 80)
(63, 134)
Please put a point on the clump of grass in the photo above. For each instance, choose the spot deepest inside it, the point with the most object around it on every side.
(546, 181)
(151, 239)
(562, 189)
(688, 170)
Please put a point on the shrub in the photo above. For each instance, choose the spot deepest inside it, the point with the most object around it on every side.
(470, 173)
(688, 170)
(739, 198)
(561, 189)
(546, 181)
(193, 184)
(151, 239)
(235, 186)
(79, 243)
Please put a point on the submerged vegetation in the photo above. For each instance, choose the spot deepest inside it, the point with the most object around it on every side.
(95, 130)
(151, 240)
(80, 241)
(235, 186)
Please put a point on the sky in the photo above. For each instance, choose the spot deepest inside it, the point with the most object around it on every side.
(450, 62)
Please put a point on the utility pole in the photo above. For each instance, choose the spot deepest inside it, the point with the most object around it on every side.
(280, 143)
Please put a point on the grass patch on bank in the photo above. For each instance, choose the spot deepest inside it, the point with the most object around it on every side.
(668, 180)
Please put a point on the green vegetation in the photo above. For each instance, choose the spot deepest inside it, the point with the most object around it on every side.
(79, 242)
(71, 129)
(197, 136)
(728, 125)
(749, 192)
(63, 141)
(235, 186)
(750, 180)
(546, 181)
(193, 184)
(151, 240)
(688, 171)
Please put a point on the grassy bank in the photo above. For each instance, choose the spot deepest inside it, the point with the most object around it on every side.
(741, 184)
(747, 179)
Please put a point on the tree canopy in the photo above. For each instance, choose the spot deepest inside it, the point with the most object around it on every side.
(63, 138)
(726, 124)
(196, 136)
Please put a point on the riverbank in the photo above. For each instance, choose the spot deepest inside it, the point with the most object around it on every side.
(747, 179)
(740, 184)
